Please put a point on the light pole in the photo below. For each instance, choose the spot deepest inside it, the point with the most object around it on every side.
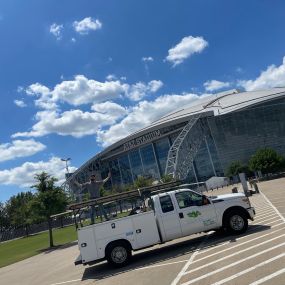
(66, 163)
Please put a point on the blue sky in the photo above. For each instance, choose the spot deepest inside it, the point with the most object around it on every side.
(78, 75)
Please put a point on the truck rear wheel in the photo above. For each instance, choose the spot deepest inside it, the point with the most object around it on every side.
(119, 254)
(236, 222)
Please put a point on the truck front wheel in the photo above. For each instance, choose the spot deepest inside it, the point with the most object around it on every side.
(236, 222)
(119, 254)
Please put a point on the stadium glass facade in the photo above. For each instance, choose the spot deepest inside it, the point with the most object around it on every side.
(228, 137)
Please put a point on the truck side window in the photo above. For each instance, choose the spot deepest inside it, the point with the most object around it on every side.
(166, 204)
(188, 199)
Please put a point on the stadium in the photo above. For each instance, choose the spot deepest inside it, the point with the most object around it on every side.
(197, 142)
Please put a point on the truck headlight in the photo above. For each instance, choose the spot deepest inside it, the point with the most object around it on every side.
(246, 200)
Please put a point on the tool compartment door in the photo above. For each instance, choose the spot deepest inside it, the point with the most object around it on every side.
(86, 244)
(145, 229)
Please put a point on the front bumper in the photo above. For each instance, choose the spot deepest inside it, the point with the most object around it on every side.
(251, 212)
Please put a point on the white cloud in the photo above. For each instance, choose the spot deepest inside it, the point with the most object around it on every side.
(20, 103)
(142, 115)
(20, 89)
(82, 90)
(45, 99)
(139, 90)
(187, 47)
(273, 76)
(213, 85)
(87, 24)
(109, 108)
(19, 148)
(37, 89)
(23, 176)
(56, 30)
(111, 77)
(74, 122)
(147, 59)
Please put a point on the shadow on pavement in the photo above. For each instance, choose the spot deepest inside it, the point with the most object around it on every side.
(165, 253)
(58, 247)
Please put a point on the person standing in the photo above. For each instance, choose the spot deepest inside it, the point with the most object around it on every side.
(93, 188)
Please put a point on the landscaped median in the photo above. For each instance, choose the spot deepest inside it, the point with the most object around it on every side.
(19, 249)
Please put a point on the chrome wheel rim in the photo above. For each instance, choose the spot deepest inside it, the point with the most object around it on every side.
(236, 222)
(119, 254)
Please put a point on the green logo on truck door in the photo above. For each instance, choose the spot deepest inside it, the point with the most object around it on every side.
(194, 214)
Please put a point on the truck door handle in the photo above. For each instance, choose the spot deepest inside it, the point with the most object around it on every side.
(181, 215)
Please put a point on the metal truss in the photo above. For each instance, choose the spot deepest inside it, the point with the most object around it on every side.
(184, 149)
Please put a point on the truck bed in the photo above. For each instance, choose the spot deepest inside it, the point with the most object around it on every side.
(139, 229)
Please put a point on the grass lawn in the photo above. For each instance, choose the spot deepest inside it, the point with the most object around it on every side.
(16, 250)
(19, 249)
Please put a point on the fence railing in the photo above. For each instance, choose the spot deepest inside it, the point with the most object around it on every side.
(26, 230)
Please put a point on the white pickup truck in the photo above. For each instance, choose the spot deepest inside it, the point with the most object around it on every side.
(169, 216)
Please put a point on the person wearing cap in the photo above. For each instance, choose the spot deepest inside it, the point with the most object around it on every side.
(93, 188)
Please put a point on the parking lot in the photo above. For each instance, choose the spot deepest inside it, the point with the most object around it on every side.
(256, 257)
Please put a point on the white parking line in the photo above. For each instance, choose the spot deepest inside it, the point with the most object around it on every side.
(266, 220)
(181, 273)
(237, 245)
(251, 230)
(231, 255)
(266, 214)
(249, 269)
(159, 265)
(261, 204)
(270, 212)
(266, 224)
(273, 207)
(266, 278)
(260, 209)
(235, 263)
(281, 224)
(65, 282)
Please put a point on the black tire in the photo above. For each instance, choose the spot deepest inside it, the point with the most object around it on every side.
(236, 222)
(119, 254)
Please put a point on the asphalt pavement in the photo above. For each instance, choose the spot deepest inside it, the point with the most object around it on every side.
(256, 257)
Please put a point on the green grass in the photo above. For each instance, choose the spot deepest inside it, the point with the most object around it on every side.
(16, 250)
(19, 249)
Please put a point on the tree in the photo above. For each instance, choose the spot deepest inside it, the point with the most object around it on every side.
(235, 168)
(267, 161)
(167, 178)
(18, 210)
(4, 221)
(49, 199)
(142, 182)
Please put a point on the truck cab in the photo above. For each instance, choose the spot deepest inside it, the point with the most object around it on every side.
(184, 212)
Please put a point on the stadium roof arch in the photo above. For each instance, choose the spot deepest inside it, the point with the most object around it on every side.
(208, 105)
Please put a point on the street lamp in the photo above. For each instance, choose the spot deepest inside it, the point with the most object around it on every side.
(66, 164)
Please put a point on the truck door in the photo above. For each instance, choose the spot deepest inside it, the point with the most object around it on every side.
(169, 218)
(194, 216)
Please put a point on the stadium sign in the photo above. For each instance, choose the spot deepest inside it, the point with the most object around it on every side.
(142, 140)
